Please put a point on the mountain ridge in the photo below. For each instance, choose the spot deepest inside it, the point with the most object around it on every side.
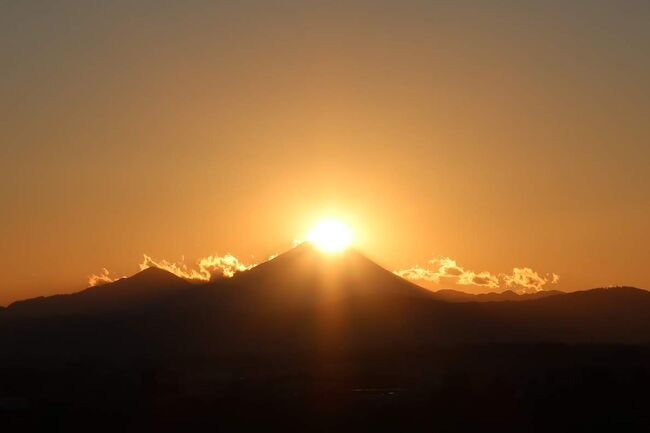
(144, 286)
(287, 297)
(452, 295)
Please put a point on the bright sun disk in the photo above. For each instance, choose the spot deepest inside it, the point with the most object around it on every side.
(331, 235)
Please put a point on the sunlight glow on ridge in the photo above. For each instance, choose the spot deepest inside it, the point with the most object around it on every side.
(331, 235)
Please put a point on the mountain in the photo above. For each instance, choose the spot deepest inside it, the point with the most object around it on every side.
(294, 297)
(145, 288)
(450, 295)
(305, 276)
(604, 315)
(310, 341)
(292, 302)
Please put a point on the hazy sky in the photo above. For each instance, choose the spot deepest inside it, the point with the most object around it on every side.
(500, 134)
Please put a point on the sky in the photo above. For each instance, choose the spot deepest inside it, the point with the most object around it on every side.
(502, 136)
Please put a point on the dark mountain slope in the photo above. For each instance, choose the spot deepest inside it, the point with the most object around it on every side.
(450, 295)
(315, 342)
(295, 300)
(617, 315)
(305, 276)
(144, 289)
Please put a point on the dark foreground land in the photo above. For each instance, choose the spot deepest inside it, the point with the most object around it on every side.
(308, 343)
(509, 388)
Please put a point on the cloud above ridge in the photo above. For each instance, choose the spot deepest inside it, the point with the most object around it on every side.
(206, 269)
(445, 270)
(104, 277)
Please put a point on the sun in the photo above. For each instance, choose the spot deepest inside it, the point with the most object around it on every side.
(331, 235)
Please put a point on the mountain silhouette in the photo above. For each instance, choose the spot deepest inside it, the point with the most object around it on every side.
(145, 288)
(451, 295)
(310, 341)
(307, 276)
(291, 295)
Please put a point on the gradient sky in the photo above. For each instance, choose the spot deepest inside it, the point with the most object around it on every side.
(501, 134)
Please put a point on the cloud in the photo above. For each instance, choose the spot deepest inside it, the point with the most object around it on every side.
(206, 269)
(527, 280)
(417, 273)
(209, 268)
(227, 265)
(447, 267)
(447, 271)
(479, 279)
(104, 277)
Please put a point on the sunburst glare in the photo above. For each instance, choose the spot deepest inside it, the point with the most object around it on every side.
(331, 235)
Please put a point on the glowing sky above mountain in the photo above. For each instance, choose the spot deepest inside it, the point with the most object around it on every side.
(331, 235)
(497, 135)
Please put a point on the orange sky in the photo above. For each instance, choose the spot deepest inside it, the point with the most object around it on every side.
(498, 135)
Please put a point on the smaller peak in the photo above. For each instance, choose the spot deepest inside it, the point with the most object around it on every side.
(154, 274)
(153, 270)
(625, 288)
(612, 289)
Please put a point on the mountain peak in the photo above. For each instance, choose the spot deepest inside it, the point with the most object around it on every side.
(144, 287)
(307, 274)
(154, 275)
